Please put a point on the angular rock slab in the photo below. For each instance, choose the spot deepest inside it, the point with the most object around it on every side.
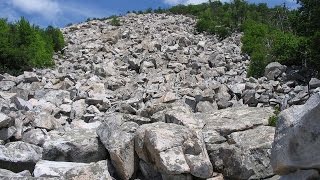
(6, 174)
(231, 120)
(75, 146)
(118, 138)
(173, 150)
(98, 170)
(246, 155)
(19, 156)
(296, 143)
(54, 169)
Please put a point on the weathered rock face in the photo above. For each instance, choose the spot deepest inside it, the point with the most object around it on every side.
(117, 135)
(74, 146)
(296, 140)
(235, 119)
(246, 155)
(172, 150)
(238, 142)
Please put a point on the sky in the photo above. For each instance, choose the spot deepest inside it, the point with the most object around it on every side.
(62, 12)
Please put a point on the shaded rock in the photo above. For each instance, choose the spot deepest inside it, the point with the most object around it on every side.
(35, 136)
(302, 174)
(5, 121)
(4, 173)
(314, 83)
(224, 104)
(61, 146)
(249, 97)
(7, 133)
(22, 104)
(247, 156)
(274, 70)
(30, 77)
(19, 156)
(296, 141)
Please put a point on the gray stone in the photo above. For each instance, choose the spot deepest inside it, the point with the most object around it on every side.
(181, 117)
(274, 70)
(296, 140)
(249, 97)
(5, 121)
(78, 109)
(118, 138)
(206, 107)
(6, 85)
(45, 121)
(35, 136)
(163, 145)
(224, 104)
(230, 120)
(98, 170)
(57, 96)
(314, 83)
(7, 133)
(21, 104)
(30, 77)
(4, 173)
(302, 174)
(237, 89)
(19, 156)
(247, 156)
(61, 146)
(54, 169)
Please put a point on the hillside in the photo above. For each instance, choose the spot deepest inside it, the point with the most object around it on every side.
(149, 99)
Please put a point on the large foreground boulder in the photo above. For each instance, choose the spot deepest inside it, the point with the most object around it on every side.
(246, 155)
(296, 144)
(117, 135)
(173, 150)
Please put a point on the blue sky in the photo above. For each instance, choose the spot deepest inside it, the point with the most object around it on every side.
(61, 12)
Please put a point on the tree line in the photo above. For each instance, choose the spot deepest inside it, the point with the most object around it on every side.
(24, 46)
(277, 34)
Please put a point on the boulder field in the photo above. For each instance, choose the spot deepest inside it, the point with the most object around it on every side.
(154, 99)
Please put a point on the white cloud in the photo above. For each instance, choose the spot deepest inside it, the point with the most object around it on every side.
(46, 8)
(196, 1)
(175, 2)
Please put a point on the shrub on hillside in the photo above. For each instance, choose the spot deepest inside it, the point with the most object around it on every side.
(115, 21)
(286, 47)
(24, 46)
